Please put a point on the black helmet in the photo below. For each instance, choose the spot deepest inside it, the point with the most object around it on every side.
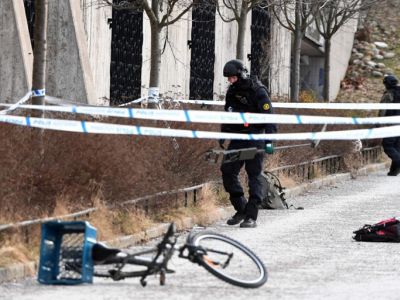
(390, 81)
(235, 68)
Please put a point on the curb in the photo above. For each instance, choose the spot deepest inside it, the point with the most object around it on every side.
(17, 271)
(20, 271)
(160, 229)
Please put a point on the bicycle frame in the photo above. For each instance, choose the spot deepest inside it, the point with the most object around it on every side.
(70, 255)
(196, 252)
(165, 248)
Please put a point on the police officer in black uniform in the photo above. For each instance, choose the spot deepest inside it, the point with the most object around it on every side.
(245, 94)
(391, 145)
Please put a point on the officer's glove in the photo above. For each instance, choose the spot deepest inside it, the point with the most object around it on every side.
(269, 147)
(221, 143)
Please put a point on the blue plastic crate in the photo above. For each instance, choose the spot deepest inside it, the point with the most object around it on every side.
(66, 252)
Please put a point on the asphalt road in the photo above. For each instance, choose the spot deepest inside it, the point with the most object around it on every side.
(309, 254)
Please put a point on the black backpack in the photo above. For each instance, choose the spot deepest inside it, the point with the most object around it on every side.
(384, 231)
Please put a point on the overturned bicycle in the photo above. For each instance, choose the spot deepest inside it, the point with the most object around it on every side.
(70, 254)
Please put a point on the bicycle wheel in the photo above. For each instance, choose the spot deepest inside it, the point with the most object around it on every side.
(229, 260)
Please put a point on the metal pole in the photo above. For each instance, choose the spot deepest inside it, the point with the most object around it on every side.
(194, 196)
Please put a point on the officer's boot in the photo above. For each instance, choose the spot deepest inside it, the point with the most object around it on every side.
(395, 170)
(239, 203)
(391, 169)
(251, 215)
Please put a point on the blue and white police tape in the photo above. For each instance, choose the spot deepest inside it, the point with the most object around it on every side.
(33, 93)
(38, 93)
(14, 106)
(297, 105)
(216, 117)
(134, 101)
(64, 102)
(107, 128)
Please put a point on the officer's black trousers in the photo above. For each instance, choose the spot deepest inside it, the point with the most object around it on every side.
(230, 177)
(391, 146)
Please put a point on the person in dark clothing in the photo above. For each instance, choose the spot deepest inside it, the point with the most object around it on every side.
(391, 145)
(245, 94)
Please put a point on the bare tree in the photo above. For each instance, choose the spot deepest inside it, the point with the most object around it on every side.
(161, 14)
(329, 19)
(295, 16)
(40, 49)
(238, 10)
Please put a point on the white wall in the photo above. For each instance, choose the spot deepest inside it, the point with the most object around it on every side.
(175, 61)
(225, 50)
(341, 46)
(280, 60)
(98, 33)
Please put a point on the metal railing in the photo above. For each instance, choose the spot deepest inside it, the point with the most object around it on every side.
(308, 170)
(371, 154)
(326, 165)
(142, 201)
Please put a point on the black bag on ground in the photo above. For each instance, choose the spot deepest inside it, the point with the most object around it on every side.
(274, 193)
(384, 231)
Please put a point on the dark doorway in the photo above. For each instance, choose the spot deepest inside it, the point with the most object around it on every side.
(30, 16)
(202, 47)
(260, 42)
(126, 55)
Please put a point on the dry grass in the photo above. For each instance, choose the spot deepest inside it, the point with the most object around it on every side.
(206, 210)
(289, 182)
(14, 249)
(202, 212)
(17, 254)
(76, 166)
(113, 222)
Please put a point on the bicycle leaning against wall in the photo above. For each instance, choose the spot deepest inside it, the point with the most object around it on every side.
(70, 254)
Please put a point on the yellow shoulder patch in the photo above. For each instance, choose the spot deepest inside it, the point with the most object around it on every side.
(266, 106)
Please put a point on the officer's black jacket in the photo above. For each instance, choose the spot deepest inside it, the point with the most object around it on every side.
(391, 95)
(248, 95)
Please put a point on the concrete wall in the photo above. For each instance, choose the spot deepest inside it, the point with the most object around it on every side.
(69, 75)
(280, 60)
(311, 73)
(175, 61)
(342, 44)
(79, 53)
(225, 50)
(98, 34)
(16, 56)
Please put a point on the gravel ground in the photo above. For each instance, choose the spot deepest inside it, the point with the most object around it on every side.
(309, 254)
